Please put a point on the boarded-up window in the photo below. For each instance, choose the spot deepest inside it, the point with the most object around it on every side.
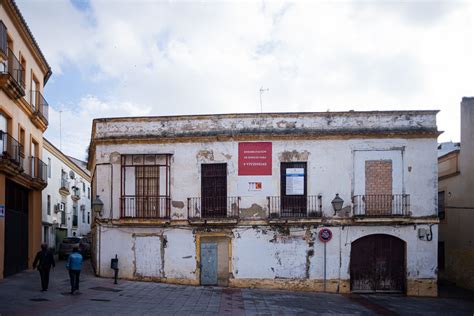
(378, 187)
(148, 256)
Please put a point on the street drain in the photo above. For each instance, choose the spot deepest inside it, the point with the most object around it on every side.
(39, 299)
(105, 289)
(99, 300)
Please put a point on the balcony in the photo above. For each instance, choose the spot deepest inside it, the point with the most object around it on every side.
(381, 205)
(76, 193)
(286, 207)
(3, 41)
(39, 105)
(219, 209)
(12, 77)
(38, 170)
(145, 207)
(64, 188)
(11, 152)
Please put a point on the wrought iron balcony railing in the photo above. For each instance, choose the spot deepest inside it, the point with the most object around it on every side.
(15, 69)
(213, 207)
(64, 184)
(381, 205)
(11, 149)
(38, 169)
(39, 105)
(295, 206)
(145, 207)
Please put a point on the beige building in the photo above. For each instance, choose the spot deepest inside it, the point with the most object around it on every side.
(456, 203)
(23, 119)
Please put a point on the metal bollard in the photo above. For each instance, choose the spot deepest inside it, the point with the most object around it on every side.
(114, 266)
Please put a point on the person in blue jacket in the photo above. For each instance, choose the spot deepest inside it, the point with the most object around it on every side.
(74, 265)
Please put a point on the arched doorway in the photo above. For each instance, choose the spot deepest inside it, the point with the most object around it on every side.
(377, 264)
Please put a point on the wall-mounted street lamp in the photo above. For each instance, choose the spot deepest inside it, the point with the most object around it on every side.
(337, 203)
(97, 205)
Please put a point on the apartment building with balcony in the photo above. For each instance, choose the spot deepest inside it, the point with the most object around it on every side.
(23, 119)
(333, 201)
(66, 199)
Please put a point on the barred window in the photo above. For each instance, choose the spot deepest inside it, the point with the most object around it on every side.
(145, 186)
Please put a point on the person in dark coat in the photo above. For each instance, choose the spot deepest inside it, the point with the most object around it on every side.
(44, 260)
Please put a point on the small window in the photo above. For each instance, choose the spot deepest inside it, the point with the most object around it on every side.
(22, 141)
(441, 258)
(88, 193)
(88, 217)
(49, 204)
(34, 96)
(63, 214)
(441, 206)
(83, 187)
(74, 216)
(46, 234)
(49, 168)
(23, 71)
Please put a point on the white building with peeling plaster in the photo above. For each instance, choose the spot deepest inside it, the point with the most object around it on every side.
(240, 200)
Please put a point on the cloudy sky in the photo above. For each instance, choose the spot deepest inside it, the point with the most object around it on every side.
(121, 58)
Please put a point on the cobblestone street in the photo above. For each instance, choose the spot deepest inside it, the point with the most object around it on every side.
(21, 295)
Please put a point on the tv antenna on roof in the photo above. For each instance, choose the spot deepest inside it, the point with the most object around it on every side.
(60, 131)
(261, 93)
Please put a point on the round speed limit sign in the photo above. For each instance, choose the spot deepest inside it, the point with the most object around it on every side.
(325, 235)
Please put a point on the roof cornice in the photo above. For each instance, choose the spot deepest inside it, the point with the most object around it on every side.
(65, 159)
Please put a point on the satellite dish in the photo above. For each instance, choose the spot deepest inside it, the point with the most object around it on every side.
(71, 174)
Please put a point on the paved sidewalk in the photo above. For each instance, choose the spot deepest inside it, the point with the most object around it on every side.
(21, 295)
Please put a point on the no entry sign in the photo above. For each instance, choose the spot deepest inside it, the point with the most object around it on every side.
(325, 235)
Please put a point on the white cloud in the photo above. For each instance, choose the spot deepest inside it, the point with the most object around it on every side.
(76, 124)
(212, 57)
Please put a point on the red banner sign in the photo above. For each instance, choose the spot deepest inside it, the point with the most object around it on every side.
(255, 159)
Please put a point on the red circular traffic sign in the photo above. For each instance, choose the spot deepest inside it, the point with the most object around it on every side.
(325, 235)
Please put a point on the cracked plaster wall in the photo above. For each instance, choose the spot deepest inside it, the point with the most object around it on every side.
(262, 252)
(331, 166)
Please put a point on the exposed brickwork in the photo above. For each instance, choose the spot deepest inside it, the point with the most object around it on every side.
(378, 187)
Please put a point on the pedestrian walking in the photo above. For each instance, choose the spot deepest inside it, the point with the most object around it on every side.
(44, 260)
(74, 265)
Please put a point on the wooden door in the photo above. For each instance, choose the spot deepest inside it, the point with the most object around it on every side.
(377, 264)
(16, 228)
(214, 190)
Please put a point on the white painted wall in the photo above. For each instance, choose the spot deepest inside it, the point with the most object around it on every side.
(139, 252)
(261, 253)
(332, 167)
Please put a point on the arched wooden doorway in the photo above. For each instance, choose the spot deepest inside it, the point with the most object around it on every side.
(378, 264)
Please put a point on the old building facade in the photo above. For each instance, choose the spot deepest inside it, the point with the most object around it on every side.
(340, 202)
(456, 203)
(66, 199)
(23, 119)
